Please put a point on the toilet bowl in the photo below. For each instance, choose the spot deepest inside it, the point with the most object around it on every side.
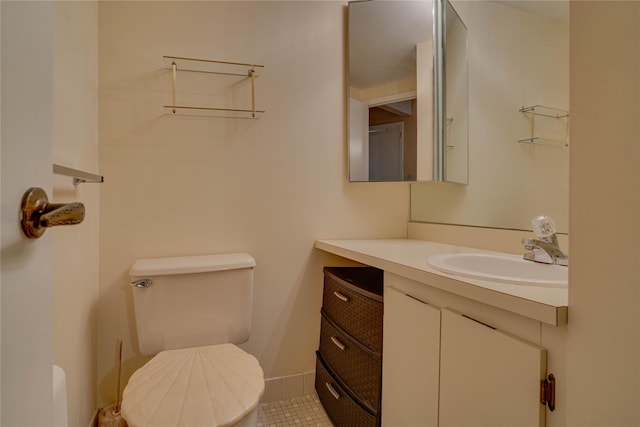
(190, 312)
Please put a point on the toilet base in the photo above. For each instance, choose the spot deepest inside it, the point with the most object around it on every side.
(250, 420)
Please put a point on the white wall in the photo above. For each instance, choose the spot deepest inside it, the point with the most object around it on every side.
(604, 296)
(75, 145)
(270, 187)
(515, 59)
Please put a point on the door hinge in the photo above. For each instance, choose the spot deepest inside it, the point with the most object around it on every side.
(548, 392)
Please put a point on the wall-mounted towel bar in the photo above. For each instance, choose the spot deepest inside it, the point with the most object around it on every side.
(79, 177)
(245, 70)
(211, 66)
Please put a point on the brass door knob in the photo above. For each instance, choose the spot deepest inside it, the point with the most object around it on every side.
(38, 214)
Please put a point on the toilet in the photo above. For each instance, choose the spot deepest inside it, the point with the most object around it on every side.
(190, 312)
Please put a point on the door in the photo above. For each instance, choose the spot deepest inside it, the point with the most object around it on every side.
(410, 361)
(26, 265)
(488, 377)
(386, 152)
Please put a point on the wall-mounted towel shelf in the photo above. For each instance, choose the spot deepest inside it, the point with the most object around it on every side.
(553, 133)
(247, 71)
(79, 177)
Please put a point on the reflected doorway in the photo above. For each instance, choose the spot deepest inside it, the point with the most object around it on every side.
(386, 152)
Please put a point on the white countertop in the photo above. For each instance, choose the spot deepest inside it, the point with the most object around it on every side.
(408, 258)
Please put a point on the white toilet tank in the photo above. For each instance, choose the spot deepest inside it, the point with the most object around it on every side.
(192, 301)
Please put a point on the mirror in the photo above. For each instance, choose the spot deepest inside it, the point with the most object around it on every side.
(391, 93)
(518, 56)
(453, 116)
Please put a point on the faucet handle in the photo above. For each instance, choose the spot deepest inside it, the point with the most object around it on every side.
(544, 226)
(545, 229)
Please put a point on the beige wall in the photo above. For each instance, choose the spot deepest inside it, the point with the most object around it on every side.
(604, 296)
(515, 59)
(269, 187)
(75, 145)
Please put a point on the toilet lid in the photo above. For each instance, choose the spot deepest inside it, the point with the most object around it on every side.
(215, 385)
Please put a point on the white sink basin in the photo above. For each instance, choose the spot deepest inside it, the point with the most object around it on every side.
(501, 268)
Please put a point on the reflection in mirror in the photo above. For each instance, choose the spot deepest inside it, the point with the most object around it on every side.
(456, 114)
(391, 86)
(518, 56)
(384, 42)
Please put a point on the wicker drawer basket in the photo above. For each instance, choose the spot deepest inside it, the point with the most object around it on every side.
(352, 300)
(341, 408)
(359, 368)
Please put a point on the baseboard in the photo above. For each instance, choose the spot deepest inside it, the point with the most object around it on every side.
(288, 387)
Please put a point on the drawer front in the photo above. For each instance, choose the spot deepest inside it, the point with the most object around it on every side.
(339, 406)
(367, 280)
(359, 369)
(356, 314)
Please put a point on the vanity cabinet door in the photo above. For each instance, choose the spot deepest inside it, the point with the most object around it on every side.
(410, 361)
(488, 377)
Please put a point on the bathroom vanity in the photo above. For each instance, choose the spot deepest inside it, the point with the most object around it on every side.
(462, 351)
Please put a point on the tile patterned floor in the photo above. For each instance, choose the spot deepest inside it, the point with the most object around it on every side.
(302, 411)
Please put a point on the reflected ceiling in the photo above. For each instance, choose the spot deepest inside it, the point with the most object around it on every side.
(390, 54)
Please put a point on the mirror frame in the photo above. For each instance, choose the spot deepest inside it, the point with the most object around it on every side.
(439, 99)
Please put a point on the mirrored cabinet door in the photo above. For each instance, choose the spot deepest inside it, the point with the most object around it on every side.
(397, 65)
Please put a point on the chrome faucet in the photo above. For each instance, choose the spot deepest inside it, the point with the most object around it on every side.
(545, 248)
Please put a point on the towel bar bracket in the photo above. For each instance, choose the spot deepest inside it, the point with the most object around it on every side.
(79, 177)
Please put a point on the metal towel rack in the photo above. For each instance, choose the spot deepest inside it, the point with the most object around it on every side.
(79, 177)
(245, 70)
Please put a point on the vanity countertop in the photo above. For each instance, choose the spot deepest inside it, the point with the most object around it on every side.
(408, 258)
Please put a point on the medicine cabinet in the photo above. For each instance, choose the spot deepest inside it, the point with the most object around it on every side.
(408, 109)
